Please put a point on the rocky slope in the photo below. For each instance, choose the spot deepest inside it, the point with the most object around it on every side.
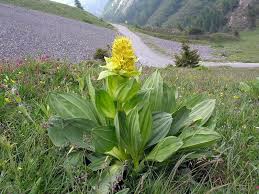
(245, 15)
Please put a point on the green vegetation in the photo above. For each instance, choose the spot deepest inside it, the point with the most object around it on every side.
(101, 54)
(184, 36)
(207, 15)
(251, 88)
(188, 57)
(246, 49)
(59, 9)
(129, 127)
(29, 160)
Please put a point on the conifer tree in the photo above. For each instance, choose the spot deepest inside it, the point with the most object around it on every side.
(78, 4)
(188, 57)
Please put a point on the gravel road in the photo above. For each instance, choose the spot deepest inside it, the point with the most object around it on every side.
(25, 33)
(172, 47)
(150, 57)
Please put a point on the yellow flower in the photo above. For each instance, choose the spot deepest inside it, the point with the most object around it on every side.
(7, 100)
(236, 97)
(123, 58)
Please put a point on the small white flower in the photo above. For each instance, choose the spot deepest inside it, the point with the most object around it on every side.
(13, 90)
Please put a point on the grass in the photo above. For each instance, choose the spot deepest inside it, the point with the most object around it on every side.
(244, 50)
(28, 159)
(60, 10)
(174, 37)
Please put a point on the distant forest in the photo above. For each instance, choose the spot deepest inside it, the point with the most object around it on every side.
(207, 15)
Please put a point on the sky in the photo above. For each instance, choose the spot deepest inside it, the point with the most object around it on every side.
(94, 6)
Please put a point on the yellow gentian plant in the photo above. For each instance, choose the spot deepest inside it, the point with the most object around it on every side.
(128, 121)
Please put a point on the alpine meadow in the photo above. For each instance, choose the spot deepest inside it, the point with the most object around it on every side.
(129, 97)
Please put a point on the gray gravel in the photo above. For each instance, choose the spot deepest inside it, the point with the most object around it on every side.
(172, 47)
(27, 33)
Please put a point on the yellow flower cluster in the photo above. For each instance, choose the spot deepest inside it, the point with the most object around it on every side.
(123, 57)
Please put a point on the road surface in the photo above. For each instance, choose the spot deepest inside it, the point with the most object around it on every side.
(149, 57)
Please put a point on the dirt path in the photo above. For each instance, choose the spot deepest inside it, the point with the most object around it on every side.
(149, 57)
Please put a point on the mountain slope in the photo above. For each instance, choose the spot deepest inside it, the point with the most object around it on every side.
(208, 15)
(58, 9)
(94, 6)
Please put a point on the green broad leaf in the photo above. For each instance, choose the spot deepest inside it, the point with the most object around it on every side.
(202, 111)
(76, 132)
(155, 96)
(73, 159)
(104, 139)
(120, 127)
(164, 149)
(211, 123)
(169, 99)
(118, 153)
(138, 99)
(180, 118)
(99, 163)
(145, 122)
(91, 91)
(161, 125)
(114, 83)
(127, 90)
(185, 117)
(191, 101)
(132, 135)
(105, 74)
(105, 104)
(198, 138)
(72, 106)
(128, 132)
(103, 184)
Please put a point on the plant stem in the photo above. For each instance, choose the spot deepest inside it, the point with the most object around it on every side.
(136, 165)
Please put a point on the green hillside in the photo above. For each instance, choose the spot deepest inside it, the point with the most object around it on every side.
(58, 9)
(207, 15)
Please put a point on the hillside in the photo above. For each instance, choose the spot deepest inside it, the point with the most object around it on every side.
(94, 6)
(208, 15)
(58, 9)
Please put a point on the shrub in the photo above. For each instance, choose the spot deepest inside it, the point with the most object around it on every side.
(195, 31)
(100, 54)
(236, 34)
(251, 88)
(188, 57)
(128, 124)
